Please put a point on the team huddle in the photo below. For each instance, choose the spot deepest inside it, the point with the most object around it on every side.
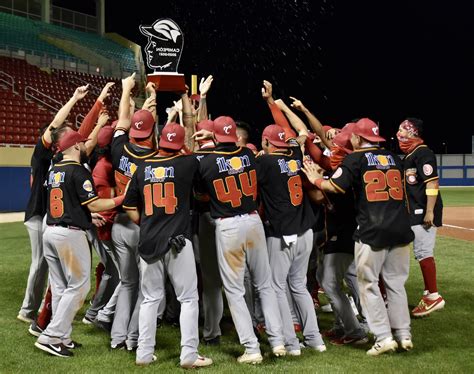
(178, 217)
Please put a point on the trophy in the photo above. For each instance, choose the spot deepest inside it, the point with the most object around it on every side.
(163, 52)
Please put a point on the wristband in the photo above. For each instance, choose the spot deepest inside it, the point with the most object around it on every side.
(118, 200)
(432, 192)
(318, 183)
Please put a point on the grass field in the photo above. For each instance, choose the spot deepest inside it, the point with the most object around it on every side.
(442, 340)
(458, 196)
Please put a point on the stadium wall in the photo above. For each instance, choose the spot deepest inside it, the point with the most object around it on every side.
(14, 178)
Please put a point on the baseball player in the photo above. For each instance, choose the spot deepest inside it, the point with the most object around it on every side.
(36, 209)
(162, 187)
(426, 208)
(213, 305)
(128, 149)
(71, 198)
(382, 236)
(289, 232)
(229, 177)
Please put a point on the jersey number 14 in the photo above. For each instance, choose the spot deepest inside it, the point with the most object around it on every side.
(160, 195)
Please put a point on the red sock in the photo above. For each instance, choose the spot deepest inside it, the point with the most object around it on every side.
(99, 270)
(45, 315)
(428, 269)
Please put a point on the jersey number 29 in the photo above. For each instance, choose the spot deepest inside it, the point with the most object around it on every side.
(377, 182)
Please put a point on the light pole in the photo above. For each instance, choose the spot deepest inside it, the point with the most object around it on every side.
(445, 148)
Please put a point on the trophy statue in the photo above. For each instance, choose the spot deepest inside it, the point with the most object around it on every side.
(163, 52)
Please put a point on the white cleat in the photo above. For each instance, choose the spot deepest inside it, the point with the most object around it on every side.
(386, 345)
(200, 362)
(250, 358)
(405, 344)
(279, 350)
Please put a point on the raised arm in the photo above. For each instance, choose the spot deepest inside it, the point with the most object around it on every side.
(124, 107)
(151, 93)
(90, 119)
(316, 126)
(61, 115)
(188, 121)
(315, 176)
(92, 140)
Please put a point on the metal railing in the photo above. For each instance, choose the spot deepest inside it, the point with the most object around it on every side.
(8, 80)
(39, 97)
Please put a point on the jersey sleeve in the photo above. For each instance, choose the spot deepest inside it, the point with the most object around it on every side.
(261, 169)
(84, 187)
(426, 165)
(116, 148)
(132, 198)
(343, 178)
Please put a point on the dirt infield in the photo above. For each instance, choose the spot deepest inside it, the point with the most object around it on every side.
(463, 220)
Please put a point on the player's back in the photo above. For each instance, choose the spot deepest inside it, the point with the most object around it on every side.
(286, 206)
(228, 174)
(382, 215)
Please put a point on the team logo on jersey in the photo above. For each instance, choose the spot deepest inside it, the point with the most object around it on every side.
(233, 165)
(380, 161)
(55, 179)
(158, 174)
(411, 175)
(289, 167)
(199, 158)
(87, 185)
(337, 173)
(427, 169)
(127, 167)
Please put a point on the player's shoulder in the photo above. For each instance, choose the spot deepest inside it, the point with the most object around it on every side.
(422, 151)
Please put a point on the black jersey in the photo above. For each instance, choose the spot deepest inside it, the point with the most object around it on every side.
(161, 190)
(228, 174)
(420, 168)
(199, 205)
(126, 157)
(70, 189)
(40, 163)
(376, 176)
(286, 206)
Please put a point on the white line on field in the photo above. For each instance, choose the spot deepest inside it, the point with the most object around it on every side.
(458, 227)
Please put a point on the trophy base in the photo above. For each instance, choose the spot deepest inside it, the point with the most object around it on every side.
(168, 81)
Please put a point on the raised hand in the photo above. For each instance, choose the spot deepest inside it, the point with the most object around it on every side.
(297, 104)
(81, 92)
(149, 103)
(105, 91)
(312, 171)
(267, 91)
(205, 85)
(203, 135)
(128, 83)
(103, 118)
(151, 88)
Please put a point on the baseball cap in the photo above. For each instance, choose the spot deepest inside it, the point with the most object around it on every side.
(225, 130)
(205, 124)
(114, 124)
(105, 136)
(172, 137)
(367, 129)
(142, 124)
(275, 135)
(69, 139)
(252, 147)
(343, 141)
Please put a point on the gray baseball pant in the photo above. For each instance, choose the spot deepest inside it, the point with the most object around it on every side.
(181, 270)
(335, 266)
(69, 260)
(240, 240)
(394, 264)
(38, 269)
(351, 281)
(213, 305)
(125, 236)
(424, 243)
(289, 265)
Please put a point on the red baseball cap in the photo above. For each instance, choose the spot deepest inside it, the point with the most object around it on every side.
(343, 141)
(69, 139)
(172, 137)
(205, 124)
(195, 97)
(367, 129)
(114, 124)
(252, 147)
(225, 130)
(105, 136)
(275, 135)
(348, 127)
(142, 124)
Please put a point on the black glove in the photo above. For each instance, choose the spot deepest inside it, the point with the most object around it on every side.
(177, 243)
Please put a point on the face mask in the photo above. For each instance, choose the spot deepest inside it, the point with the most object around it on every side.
(407, 145)
(337, 156)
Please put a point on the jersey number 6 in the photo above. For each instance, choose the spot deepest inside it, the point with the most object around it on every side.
(56, 205)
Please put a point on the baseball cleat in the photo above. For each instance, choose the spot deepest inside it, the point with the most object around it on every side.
(72, 345)
(386, 345)
(146, 363)
(87, 321)
(297, 327)
(427, 306)
(119, 346)
(34, 329)
(279, 350)
(200, 362)
(294, 352)
(405, 344)
(58, 350)
(345, 340)
(23, 318)
(332, 333)
(327, 308)
(250, 358)
(213, 341)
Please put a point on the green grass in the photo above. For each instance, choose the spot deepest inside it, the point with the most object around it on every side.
(443, 341)
(457, 196)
